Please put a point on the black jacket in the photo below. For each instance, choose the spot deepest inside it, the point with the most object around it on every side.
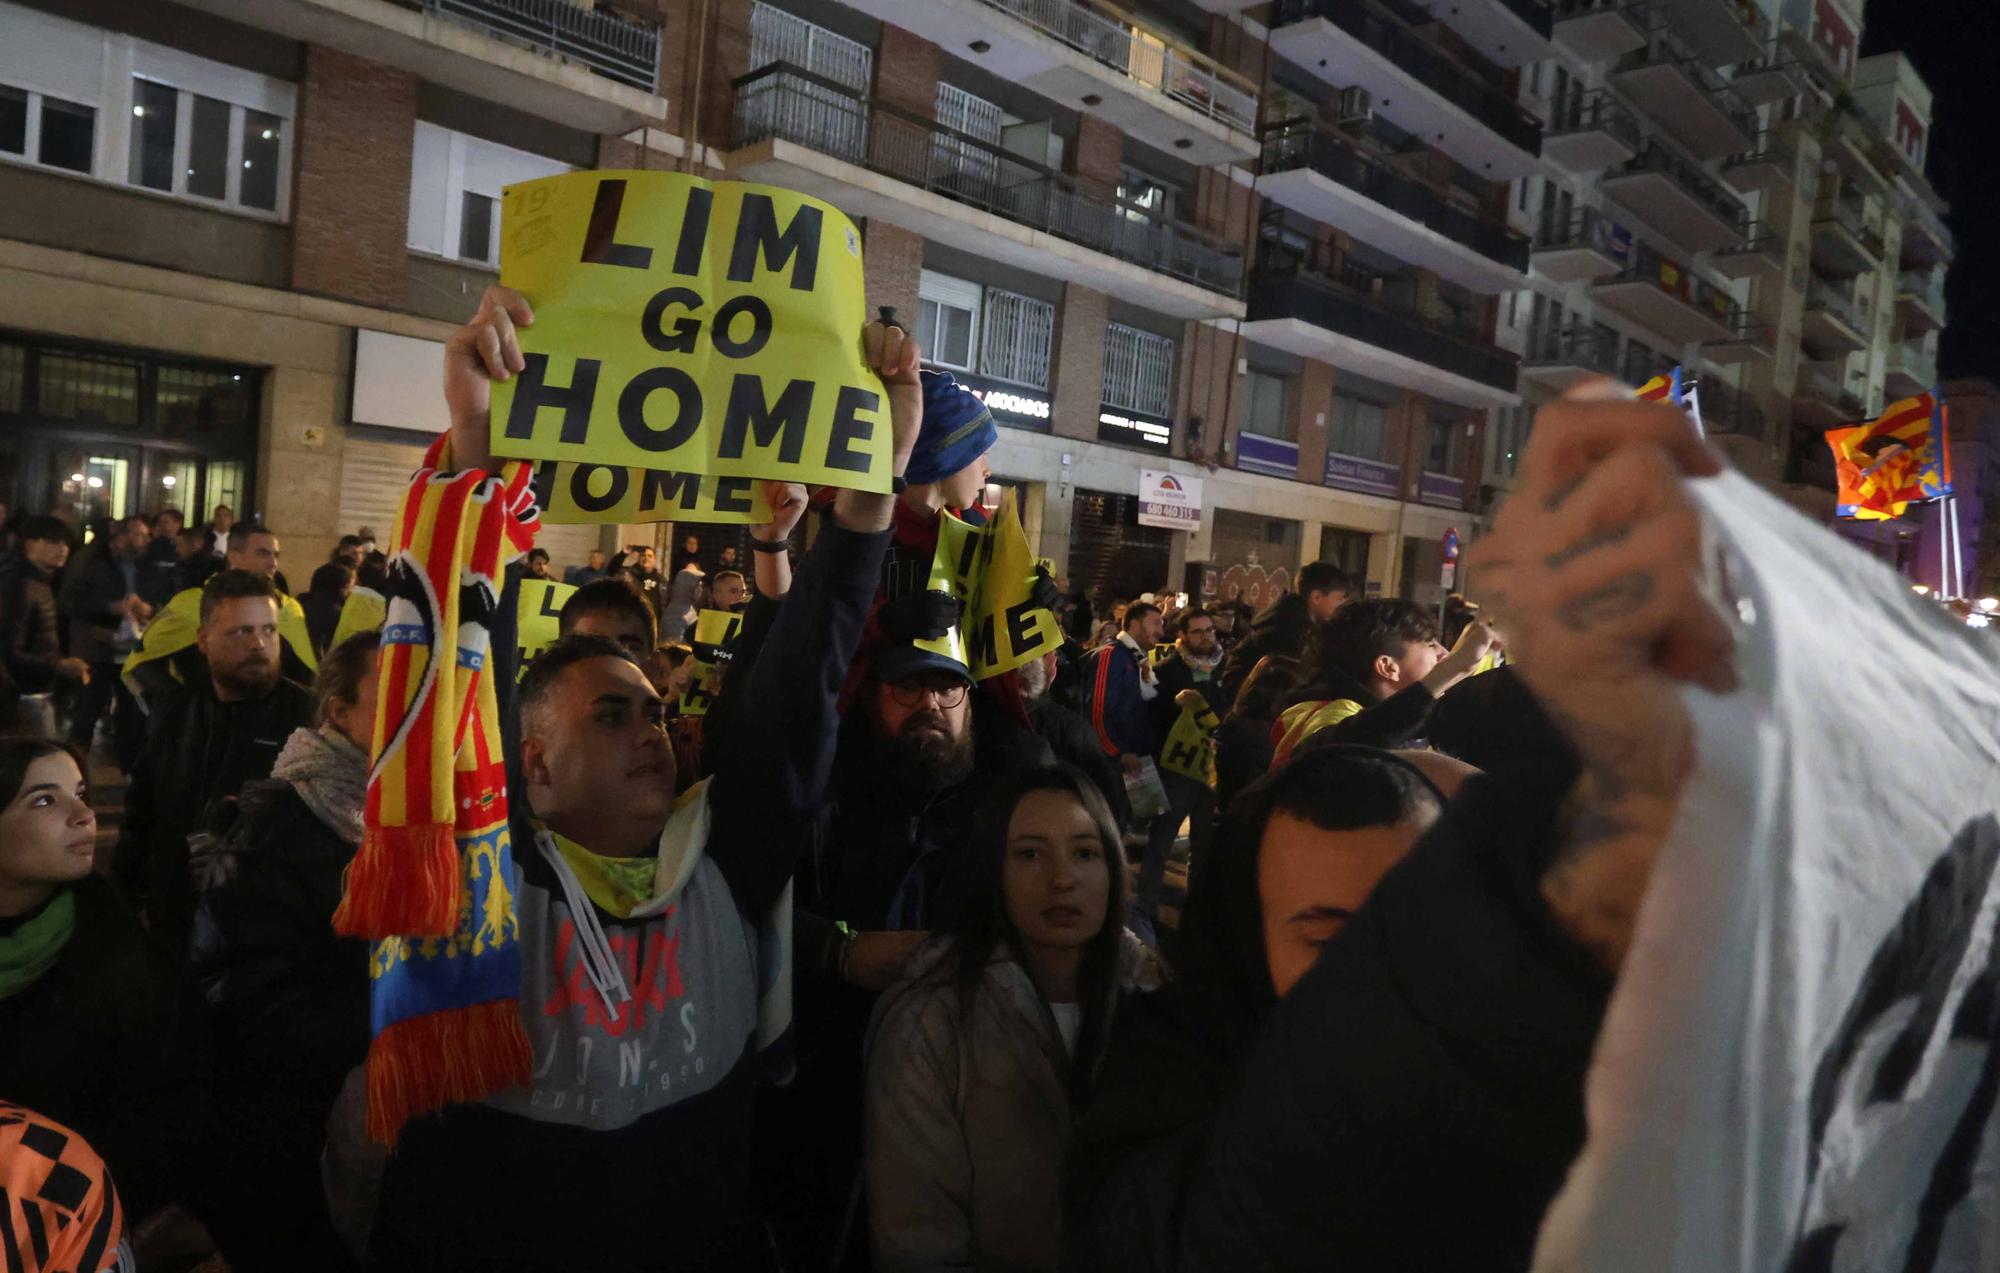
(1413, 1103)
(30, 641)
(322, 618)
(1281, 629)
(1074, 743)
(159, 572)
(1172, 675)
(109, 1043)
(288, 1007)
(1396, 721)
(1243, 754)
(93, 590)
(199, 750)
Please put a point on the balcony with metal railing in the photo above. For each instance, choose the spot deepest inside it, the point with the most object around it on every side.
(1415, 84)
(1308, 299)
(1927, 240)
(1565, 358)
(1677, 198)
(1765, 169)
(1334, 180)
(1834, 324)
(1094, 54)
(1719, 32)
(599, 40)
(1753, 340)
(1824, 396)
(1660, 295)
(1845, 241)
(1760, 254)
(1920, 300)
(1593, 31)
(1910, 369)
(1772, 76)
(1590, 133)
(810, 133)
(1584, 245)
(1688, 98)
(1727, 412)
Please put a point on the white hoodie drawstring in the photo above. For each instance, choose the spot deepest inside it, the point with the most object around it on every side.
(598, 961)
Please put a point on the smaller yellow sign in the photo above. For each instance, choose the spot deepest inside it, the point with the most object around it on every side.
(598, 494)
(538, 619)
(1005, 628)
(1190, 749)
(713, 629)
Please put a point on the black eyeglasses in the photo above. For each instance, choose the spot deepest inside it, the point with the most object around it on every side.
(1200, 632)
(912, 694)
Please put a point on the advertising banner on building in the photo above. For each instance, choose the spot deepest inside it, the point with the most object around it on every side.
(1169, 500)
(690, 326)
(1273, 456)
(1015, 406)
(1372, 477)
(1129, 428)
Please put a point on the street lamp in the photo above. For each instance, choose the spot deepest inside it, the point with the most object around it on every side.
(1920, 590)
(1989, 604)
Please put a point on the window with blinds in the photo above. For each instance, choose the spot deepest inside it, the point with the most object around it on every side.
(1358, 428)
(948, 319)
(1019, 333)
(1138, 370)
(1264, 406)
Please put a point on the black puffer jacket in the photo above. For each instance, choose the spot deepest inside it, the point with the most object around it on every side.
(1413, 1103)
(288, 1004)
(109, 1043)
(30, 641)
(1281, 629)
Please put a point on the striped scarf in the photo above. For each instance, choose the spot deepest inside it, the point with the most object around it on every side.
(432, 883)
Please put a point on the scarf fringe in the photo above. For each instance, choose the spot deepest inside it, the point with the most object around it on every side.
(403, 882)
(458, 1056)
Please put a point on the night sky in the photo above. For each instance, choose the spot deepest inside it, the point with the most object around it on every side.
(1954, 45)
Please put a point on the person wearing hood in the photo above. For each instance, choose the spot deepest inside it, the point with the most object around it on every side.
(287, 998)
(1283, 626)
(976, 1062)
(1377, 671)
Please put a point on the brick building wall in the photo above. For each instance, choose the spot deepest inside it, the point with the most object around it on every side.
(351, 178)
(1312, 398)
(907, 70)
(1097, 161)
(1211, 390)
(893, 260)
(1079, 361)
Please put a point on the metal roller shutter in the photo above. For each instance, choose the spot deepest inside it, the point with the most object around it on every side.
(1111, 556)
(374, 474)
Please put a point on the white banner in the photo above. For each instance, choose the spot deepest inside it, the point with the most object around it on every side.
(1797, 1072)
(1170, 500)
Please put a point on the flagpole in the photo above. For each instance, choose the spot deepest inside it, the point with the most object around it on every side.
(1694, 410)
(1957, 548)
(1944, 549)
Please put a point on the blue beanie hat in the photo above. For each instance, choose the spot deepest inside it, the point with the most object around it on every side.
(958, 429)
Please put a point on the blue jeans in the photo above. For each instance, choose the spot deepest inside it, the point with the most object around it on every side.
(1186, 799)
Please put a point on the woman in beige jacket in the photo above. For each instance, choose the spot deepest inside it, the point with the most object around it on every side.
(976, 1062)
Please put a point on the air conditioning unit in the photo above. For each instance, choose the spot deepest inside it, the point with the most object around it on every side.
(1356, 107)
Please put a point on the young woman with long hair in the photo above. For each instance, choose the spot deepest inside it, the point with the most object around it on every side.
(977, 1063)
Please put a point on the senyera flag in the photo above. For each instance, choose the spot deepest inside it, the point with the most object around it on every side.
(1664, 388)
(1898, 459)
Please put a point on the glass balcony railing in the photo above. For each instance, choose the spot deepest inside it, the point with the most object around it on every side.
(1312, 284)
(1829, 299)
(612, 46)
(1645, 265)
(1912, 360)
(1584, 228)
(1299, 143)
(1701, 75)
(1121, 42)
(1851, 214)
(1425, 62)
(1927, 286)
(786, 102)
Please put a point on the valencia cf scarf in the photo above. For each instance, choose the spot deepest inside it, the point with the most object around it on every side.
(433, 883)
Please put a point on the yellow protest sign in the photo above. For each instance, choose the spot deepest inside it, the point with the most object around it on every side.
(713, 629)
(538, 618)
(954, 569)
(690, 326)
(1190, 749)
(1005, 628)
(595, 494)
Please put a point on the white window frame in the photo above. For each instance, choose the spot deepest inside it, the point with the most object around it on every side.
(1138, 371)
(944, 291)
(445, 166)
(1018, 343)
(55, 57)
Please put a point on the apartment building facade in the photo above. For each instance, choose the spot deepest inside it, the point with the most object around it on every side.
(1322, 255)
(1737, 193)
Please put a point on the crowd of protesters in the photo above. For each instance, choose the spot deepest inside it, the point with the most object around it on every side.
(1051, 996)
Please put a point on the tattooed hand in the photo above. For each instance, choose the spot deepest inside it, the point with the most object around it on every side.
(1593, 571)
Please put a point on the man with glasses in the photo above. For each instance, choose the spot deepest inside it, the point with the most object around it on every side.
(1195, 664)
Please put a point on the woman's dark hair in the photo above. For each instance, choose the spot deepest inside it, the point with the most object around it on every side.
(1270, 683)
(374, 572)
(1335, 787)
(331, 579)
(989, 927)
(341, 671)
(19, 751)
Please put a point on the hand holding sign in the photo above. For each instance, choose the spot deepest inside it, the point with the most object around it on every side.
(486, 349)
(893, 355)
(787, 501)
(1594, 571)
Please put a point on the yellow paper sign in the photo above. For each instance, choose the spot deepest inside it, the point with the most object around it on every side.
(594, 494)
(713, 629)
(1005, 628)
(954, 569)
(1190, 749)
(538, 618)
(690, 326)
(363, 611)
